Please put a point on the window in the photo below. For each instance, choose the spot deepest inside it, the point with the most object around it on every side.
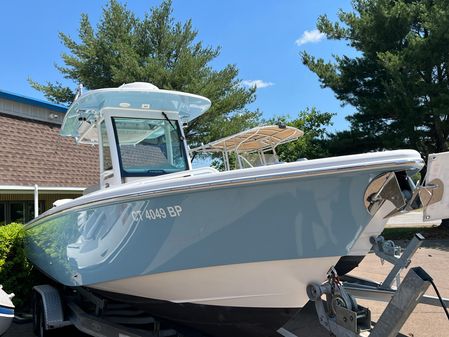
(107, 161)
(18, 211)
(149, 147)
(2, 214)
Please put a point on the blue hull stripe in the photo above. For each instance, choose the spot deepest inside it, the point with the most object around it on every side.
(6, 310)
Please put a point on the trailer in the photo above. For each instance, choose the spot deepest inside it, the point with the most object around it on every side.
(56, 308)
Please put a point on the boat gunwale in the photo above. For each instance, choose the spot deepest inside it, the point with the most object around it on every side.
(246, 180)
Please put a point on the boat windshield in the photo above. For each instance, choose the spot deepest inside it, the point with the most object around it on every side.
(149, 147)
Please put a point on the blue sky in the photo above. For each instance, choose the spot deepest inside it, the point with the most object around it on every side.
(261, 37)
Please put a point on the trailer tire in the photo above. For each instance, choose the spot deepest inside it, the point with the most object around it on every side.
(34, 311)
(39, 322)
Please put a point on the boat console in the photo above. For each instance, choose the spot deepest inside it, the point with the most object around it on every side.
(138, 129)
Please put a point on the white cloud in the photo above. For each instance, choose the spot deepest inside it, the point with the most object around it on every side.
(310, 36)
(259, 84)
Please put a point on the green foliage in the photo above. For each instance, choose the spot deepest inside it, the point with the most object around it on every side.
(399, 80)
(124, 48)
(351, 142)
(16, 272)
(311, 145)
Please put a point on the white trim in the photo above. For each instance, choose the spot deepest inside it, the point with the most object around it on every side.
(36, 201)
(19, 188)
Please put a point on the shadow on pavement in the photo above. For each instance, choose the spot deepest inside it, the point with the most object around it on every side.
(437, 244)
(442, 245)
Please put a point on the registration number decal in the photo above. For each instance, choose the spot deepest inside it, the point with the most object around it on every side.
(157, 213)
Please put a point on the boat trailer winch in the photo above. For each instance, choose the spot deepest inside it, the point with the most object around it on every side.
(340, 314)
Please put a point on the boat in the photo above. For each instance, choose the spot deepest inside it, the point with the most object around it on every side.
(6, 310)
(229, 253)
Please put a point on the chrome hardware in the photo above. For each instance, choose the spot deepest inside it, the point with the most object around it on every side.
(382, 188)
(431, 193)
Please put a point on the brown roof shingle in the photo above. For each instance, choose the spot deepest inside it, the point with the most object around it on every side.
(33, 152)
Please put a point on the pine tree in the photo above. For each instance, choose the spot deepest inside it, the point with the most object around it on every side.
(399, 79)
(156, 49)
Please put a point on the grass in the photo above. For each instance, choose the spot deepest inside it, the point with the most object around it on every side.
(406, 233)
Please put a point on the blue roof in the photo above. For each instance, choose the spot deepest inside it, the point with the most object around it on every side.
(32, 101)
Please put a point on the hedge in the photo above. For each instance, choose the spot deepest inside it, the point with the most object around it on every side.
(17, 275)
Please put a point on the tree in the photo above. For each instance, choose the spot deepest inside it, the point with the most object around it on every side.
(350, 142)
(156, 49)
(312, 144)
(399, 80)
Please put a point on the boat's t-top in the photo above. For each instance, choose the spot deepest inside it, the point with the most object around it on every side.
(254, 147)
(138, 128)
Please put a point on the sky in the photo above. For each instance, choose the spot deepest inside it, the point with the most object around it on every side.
(262, 38)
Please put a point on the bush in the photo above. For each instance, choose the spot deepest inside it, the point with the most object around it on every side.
(16, 272)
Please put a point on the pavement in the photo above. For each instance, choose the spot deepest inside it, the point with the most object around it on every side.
(426, 320)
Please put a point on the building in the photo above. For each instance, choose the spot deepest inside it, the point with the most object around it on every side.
(37, 165)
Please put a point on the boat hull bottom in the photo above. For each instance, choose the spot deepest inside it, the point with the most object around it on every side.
(211, 320)
(347, 263)
(244, 319)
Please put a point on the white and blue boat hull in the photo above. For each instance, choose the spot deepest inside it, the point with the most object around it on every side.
(241, 240)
